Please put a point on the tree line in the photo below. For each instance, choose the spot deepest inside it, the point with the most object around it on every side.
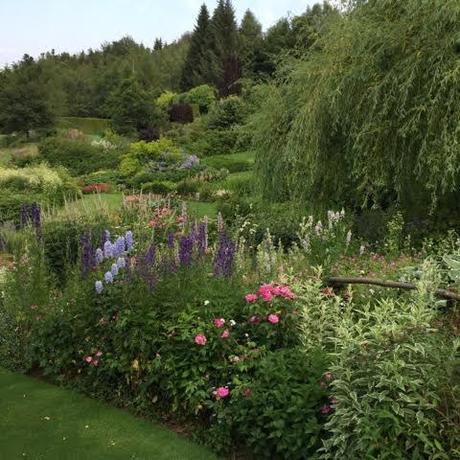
(219, 52)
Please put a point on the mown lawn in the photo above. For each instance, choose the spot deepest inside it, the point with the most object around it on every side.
(40, 421)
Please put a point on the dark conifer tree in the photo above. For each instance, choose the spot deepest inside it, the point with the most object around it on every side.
(158, 45)
(250, 42)
(195, 71)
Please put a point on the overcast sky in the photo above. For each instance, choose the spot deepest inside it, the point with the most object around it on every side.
(35, 26)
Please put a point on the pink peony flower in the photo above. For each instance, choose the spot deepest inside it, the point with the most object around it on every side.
(95, 362)
(88, 359)
(200, 339)
(221, 392)
(274, 319)
(225, 334)
(250, 298)
(219, 322)
(267, 296)
(325, 409)
(255, 319)
(99, 354)
(285, 292)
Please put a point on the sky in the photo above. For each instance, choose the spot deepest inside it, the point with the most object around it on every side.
(35, 26)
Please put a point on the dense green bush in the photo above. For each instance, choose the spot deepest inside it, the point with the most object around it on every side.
(79, 157)
(226, 113)
(203, 96)
(234, 163)
(102, 177)
(161, 187)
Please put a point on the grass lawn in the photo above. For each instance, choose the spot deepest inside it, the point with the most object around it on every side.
(40, 421)
(199, 209)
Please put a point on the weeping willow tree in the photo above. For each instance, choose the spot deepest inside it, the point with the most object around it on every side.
(372, 114)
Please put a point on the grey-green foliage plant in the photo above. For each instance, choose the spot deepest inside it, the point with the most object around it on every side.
(394, 370)
(370, 115)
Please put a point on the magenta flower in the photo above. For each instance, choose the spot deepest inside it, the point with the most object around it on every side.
(225, 334)
(88, 359)
(325, 409)
(274, 319)
(221, 392)
(285, 292)
(200, 339)
(250, 298)
(219, 322)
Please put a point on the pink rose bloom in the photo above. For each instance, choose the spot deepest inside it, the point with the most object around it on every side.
(325, 409)
(219, 322)
(250, 298)
(285, 292)
(225, 334)
(88, 359)
(200, 339)
(222, 392)
(274, 319)
(95, 362)
(99, 354)
(266, 291)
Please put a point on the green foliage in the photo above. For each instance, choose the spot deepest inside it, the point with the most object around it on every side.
(160, 187)
(165, 99)
(276, 413)
(226, 113)
(79, 157)
(195, 70)
(86, 125)
(233, 163)
(111, 176)
(394, 385)
(364, 120)
(24, 102)
(142, 154)
(204, 96)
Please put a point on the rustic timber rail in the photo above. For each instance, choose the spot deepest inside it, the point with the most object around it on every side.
(339, 281)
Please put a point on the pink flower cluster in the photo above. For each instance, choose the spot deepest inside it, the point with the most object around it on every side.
(221, 392)
(268, 292)
(200, 339)
(93, 360)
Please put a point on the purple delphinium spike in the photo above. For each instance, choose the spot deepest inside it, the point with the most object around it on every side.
(223, 260)
(121, 262)
(99, 256)
(108, 277)
(119, 246)
(146, 265)
(36, 219)
(105, 237)
(99, 286)
(86, 254)
(114, 269)
(108, 249)
(170, 240)
(185, 250)
(202, 239)
(25, 214)
(129, 240)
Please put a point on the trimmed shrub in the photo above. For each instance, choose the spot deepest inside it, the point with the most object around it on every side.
(159, 187)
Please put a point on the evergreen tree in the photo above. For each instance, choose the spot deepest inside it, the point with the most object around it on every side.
(131, 111)
(158, 45)
(251, 42)
(195, 71)
(225, 48)
(24, 103)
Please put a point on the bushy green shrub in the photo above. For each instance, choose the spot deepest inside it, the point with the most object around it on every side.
(160, 187)
(226, 113)
(234, 163)
(79, 157)
(98, 177)
(188, 187)
(142, 153)
(203, 96)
